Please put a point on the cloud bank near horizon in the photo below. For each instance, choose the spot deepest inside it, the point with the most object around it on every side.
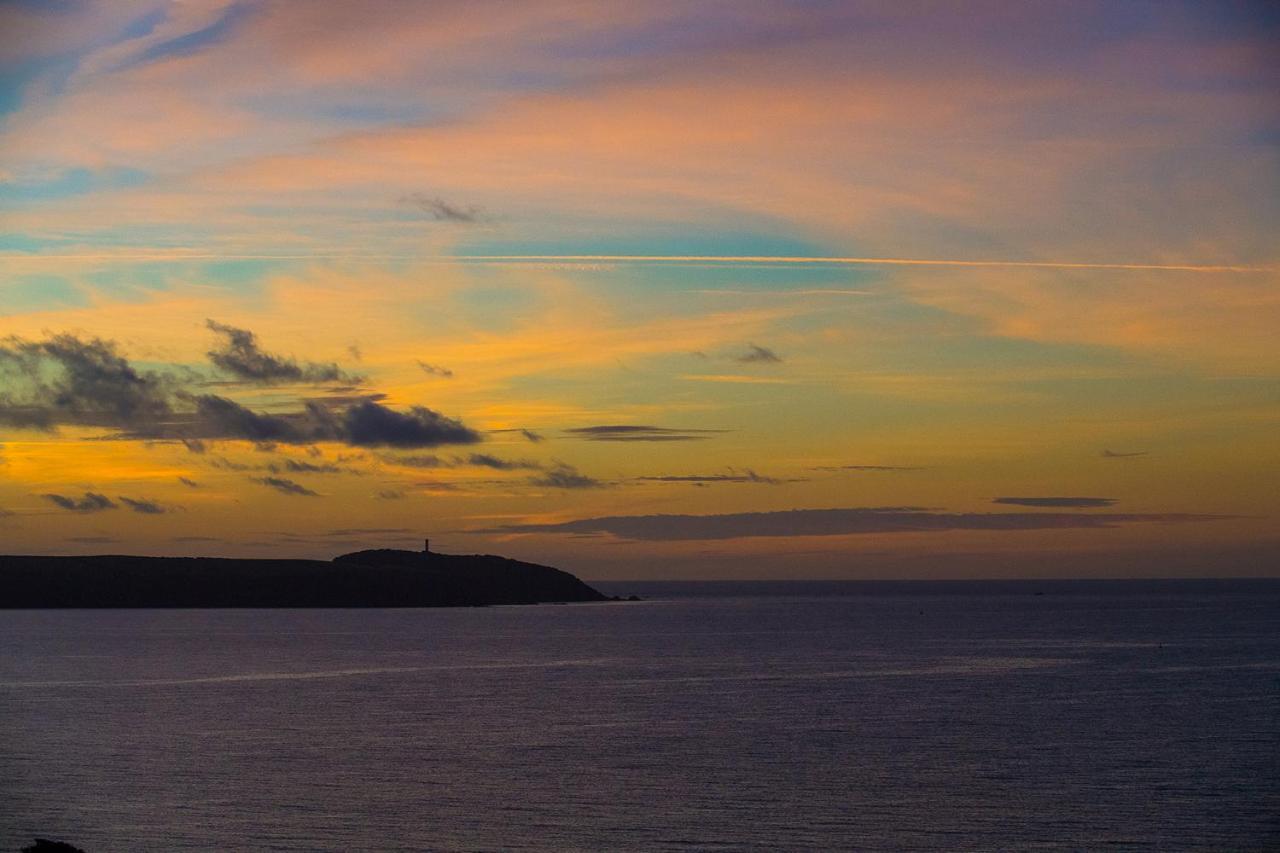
(837, 522)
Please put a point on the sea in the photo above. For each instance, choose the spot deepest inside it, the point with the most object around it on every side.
(1043, 715)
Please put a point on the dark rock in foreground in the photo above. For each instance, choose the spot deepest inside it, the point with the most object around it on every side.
(44, 845)
(382, 578)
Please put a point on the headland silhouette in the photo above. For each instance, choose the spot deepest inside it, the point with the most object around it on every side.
(372, 578)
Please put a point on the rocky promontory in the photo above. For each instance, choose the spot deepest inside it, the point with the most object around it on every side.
(375, 578)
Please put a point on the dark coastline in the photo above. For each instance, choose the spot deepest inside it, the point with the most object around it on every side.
(382, 578)
(1048, 587)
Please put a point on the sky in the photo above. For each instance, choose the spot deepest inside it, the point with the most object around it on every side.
(646, 290)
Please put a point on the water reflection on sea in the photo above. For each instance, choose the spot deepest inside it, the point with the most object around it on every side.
(823, 717)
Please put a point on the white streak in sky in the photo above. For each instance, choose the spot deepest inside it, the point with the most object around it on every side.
(674, 260)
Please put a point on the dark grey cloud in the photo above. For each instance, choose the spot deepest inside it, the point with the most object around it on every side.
(435, 370)
(91, 502)
(371, 425)
(389, 495)
(370, 531)
(528, 434)
(187, 481)
(745, 476)
(484, 460)
(300, 467)
(444, 211)
(286, 486)
(68, 380)
(564, 476)
(93, 540)
(196, 539)
(868, 468)
(1114, 454)
(241, 356)
(636, 432)
(219, 417)
(365, 423)
(438, 485)
(1080, 503)
(424, 460)
(837, 522)
(144, 507)
(756, 354)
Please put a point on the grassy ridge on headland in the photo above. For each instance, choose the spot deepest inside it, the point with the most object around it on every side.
(382, 578)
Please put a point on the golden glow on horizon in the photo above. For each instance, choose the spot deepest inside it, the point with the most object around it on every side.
(658, 274)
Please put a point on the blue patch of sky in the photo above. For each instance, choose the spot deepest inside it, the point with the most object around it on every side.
(659, 277)
(16, 77)
(56, 69)
(39, 291)
(196, 41)
(658, 241)
(26, 244)
(72, 182)
(701, 29)
(133, 280)
(362, 109)
(143, 25)
(759, 277)
(240, 276)
(238, 273)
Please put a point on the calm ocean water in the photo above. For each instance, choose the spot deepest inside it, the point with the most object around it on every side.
(711, 717)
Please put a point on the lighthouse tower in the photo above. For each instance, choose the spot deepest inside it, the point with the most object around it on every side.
(426, 546)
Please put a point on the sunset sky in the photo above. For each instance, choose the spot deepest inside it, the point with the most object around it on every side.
(645, 290)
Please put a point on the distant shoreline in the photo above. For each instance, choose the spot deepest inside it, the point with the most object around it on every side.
(378, 578)
(651, 589)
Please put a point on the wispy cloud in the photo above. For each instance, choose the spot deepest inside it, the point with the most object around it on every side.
(241, 356)
(1080, 503)
(286, 486)
(867, 468)
(444, 211)
(299, 466)
(435, 370)
(418, 461)
(484, 460)
(91, 502)
(564, 476)
(837, 522)
(757, 354)
(143, 506)
(745, 476)
(636, 432)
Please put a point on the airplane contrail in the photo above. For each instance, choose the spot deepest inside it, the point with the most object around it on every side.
(762, 260)
(924, 262)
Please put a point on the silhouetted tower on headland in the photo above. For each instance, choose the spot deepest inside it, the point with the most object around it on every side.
(426, 546)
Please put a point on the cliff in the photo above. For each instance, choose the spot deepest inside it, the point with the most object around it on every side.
(380, 578)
